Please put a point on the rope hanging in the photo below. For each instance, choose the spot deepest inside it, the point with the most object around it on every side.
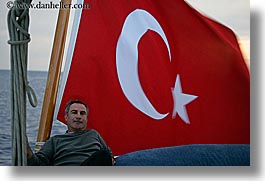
(18, 23)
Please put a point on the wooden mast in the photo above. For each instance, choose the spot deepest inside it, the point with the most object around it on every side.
(52, 83)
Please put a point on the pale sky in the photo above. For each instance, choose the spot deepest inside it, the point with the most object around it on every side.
(232, 13)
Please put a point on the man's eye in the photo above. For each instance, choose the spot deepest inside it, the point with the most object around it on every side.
(83, 113)
(74, 112)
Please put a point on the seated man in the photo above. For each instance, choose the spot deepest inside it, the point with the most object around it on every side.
(77, 146)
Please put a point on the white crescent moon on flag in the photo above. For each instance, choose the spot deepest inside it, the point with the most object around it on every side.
(135, 26)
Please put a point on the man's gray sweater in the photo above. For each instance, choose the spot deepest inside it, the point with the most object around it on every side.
(69, 149)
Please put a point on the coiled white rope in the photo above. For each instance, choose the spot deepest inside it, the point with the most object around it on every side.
(18, 23)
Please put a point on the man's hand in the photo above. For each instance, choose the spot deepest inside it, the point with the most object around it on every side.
(29, 151)
(113, 160)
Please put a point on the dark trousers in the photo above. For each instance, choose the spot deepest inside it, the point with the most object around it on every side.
(99, 158)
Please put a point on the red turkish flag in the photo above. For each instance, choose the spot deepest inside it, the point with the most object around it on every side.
(156, 74)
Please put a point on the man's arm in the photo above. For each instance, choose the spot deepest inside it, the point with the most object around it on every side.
(106, 148)
(42, 158)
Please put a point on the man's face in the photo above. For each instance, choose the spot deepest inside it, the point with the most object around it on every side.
(76, 118)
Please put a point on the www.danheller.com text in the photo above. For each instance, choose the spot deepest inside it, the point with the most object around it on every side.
(50, 5)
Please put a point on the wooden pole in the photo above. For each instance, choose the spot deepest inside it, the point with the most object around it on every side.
(53, 75)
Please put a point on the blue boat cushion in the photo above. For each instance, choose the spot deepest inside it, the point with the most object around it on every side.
(189, 155)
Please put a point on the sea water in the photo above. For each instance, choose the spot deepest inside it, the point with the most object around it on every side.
(37, 80)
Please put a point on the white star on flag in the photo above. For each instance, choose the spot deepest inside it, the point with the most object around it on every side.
(180, 101)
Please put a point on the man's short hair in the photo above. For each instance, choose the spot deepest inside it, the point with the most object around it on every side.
(67, 107)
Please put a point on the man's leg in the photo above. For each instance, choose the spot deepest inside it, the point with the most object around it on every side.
(99, 158)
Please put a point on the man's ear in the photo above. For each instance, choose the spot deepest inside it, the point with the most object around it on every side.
(66, 117)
